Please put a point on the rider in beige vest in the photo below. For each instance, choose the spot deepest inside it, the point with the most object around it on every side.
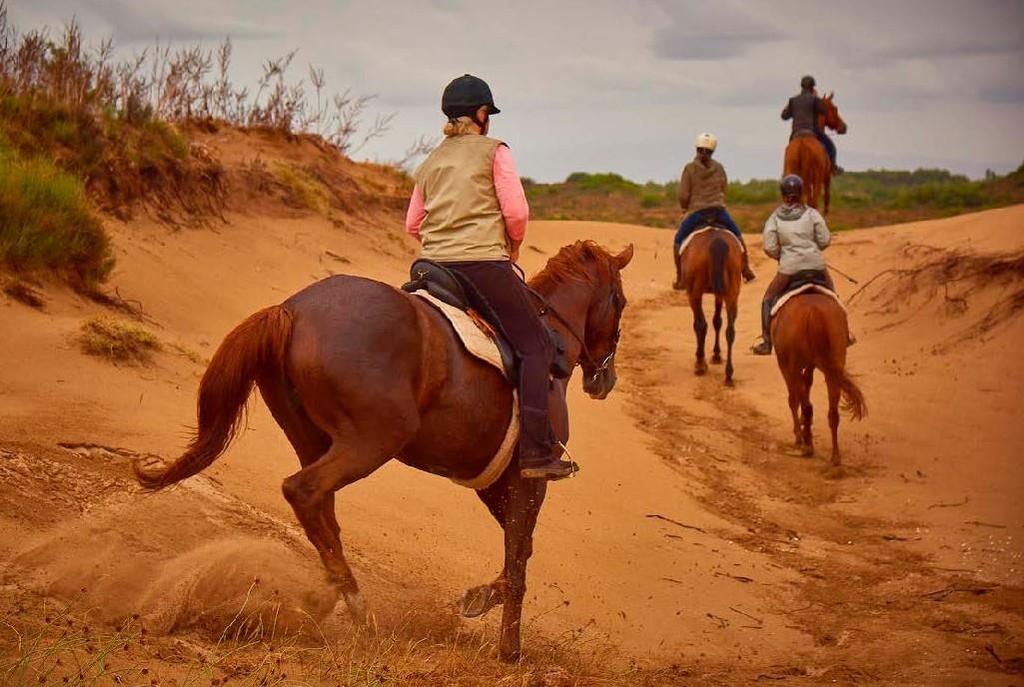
(469, 211)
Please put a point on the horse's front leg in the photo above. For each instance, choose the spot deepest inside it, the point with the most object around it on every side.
(478, 600)
(522, 507)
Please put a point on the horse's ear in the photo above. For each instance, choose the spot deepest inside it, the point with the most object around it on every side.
(831, 94)
(623, 258)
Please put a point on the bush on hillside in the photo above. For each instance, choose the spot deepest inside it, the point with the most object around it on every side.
(46, 222)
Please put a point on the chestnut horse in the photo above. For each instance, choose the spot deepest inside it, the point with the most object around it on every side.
(810, 332)
(712, 262)
(806, 156)
(357, 373)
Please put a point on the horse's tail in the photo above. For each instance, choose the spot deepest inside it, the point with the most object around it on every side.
(256, 344)
(719, 252)
(853, 397)
(829, 336)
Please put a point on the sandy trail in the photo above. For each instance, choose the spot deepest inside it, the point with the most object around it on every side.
(693, 536)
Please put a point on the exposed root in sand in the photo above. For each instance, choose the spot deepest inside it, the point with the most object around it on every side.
(938, 272)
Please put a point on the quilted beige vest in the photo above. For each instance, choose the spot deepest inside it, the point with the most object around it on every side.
(463, 221)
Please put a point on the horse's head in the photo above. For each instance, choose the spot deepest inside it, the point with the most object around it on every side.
(830, 117)
(591, 274)
(604, 324)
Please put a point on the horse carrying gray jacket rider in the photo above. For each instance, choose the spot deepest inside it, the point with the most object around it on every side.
(795, 235)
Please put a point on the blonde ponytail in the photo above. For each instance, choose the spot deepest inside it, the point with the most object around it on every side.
(460, 127)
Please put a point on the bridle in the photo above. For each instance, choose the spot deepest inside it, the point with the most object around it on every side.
(546, 308)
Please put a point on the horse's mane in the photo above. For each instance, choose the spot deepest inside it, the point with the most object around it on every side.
(570, 264)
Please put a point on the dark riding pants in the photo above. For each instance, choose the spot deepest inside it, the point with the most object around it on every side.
(695, 220)
(830, 145)
(504, 291)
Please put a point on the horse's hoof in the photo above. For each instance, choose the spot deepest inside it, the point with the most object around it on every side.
(700, 368)
(510, 655)
(356, 607)
(729, 383)
(716, 359)
(807, 451)
(479, 600)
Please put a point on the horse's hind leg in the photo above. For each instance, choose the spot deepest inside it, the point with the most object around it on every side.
(807, 411)
(310, 493)
(794, 385)
(731, 310)
(309, 441)
(716, 322)
(833, 417)
(700, 328)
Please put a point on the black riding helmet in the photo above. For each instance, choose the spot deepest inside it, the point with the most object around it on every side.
(792, 185)
(464, 96)
(807, 82)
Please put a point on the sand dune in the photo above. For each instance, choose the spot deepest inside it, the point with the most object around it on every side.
(693, 536)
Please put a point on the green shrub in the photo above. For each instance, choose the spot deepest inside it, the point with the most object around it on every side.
(46, 222)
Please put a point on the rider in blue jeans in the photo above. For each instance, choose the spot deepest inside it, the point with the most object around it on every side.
(702, 188)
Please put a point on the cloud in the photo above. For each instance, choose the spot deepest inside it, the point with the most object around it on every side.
(709, 31)
(131, 23)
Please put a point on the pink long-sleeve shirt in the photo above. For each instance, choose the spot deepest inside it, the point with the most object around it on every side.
(507, 186)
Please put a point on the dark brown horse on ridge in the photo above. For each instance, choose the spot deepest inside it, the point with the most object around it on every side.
(806, 157)
(810, 332)
(357, 373)
(712, 262)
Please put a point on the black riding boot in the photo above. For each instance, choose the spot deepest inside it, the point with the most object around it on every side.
(765, 347)
(537, 458)
(748, 274)
(678, 283)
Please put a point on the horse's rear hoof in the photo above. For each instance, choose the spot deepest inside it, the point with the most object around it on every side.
(479, 600)
(700, 368)
(510, 655)
(716, 359)
(729, 383)
(807, 451)
(356, 607)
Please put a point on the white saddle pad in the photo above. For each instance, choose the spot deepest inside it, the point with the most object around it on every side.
(689, 238)
(804, 289)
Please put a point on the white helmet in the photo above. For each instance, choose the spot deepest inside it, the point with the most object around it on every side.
(706, 140)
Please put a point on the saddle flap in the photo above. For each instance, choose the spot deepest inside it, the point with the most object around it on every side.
(453, 289)
(805, 278)
(438, 281)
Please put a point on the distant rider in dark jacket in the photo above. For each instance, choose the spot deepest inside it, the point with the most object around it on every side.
(804, 109)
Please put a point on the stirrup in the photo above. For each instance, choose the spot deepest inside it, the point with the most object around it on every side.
(763, 348)
(553, 469)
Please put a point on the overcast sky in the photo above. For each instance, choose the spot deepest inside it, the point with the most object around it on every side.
(624, 85)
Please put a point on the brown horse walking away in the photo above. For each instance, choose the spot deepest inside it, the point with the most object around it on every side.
(712, 262)
(357, 373)
(806, 157)
(810, 332)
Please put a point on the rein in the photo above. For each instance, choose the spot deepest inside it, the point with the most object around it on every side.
(546, 308)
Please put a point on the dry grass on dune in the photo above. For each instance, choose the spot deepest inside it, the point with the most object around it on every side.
(44, 644)
(117, 340)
